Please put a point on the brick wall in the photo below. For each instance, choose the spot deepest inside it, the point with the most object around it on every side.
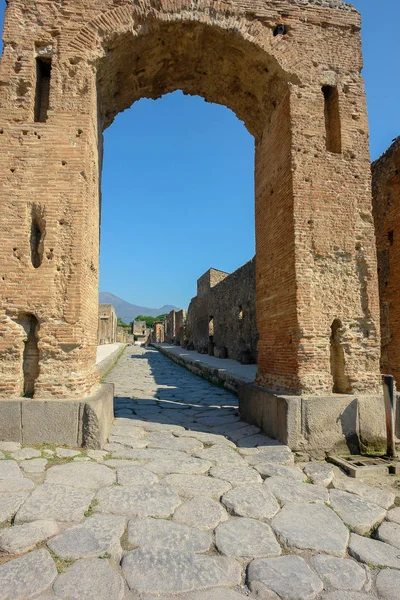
(107, 330)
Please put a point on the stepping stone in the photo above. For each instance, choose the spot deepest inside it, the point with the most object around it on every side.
(275, 454)
(252, 501)
(373, 552)
(288, 490)
(158, 534)
(311, 527)
(137, 501)
(67, 453)
(237, 475)
(274, 470)
(135, 475)
(55, 502)
(22, 484)
(26, 453)
(90, 476)
(169, 572)
(193, 485)
(201, 512)
(246, 537)
(221, 456)
(27, 576)
(10, 503)
(98, 535)
(383, 498)
(188, 465)
(389, 533)
(36, 465)
(21, 538)
(288, 576)
(361, 515)
(388, 584)
(90, 579)
(319, 473)
(9, 469)
(340, 573)
(394, 515)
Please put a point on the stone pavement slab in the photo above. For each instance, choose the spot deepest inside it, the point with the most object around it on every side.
(21, 538)
(388, 584)
(251, 501)
(201, 512)
(9, 469)
(135, 475)
(237, 475)
(373, 552)
(288, 490)
(135, 501)
(27, 576)
(340, 573)
(274, 470)
(383, 498)
(89, 476)
(394, 515)
(90, 579)
(247, 538)
(319, 473)
(10, 503)
(360, 514)
(389, 533)
(55, 502)
(193, 485)
(159, 534)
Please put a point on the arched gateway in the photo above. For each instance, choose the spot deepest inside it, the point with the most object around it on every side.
(290, 69)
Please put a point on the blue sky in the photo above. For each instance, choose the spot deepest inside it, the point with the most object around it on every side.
(178, 192)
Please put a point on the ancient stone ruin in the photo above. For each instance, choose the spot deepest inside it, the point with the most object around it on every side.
(291, 70)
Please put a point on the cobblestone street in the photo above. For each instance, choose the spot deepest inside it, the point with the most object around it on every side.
(187, 501)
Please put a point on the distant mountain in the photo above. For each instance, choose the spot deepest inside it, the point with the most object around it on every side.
(128, 312)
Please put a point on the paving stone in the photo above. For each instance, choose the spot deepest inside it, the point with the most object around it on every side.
(192, 485)
(16, 485)
(349, 596)
(55, 502)
(82, 459)
(175, 443)
(319, 473)
(117, 443)
(360, 514)
(9, 469)
(90, 476)
(27, 576)
(394, 515)
(373, 552)
(135, 475)
(159, 534)
(384, 498)
(258, 440)
(208, 438)
(288, 490)
(96, 536)
(117, 463)
(168, 572)
(10, 446)
(274, 470)
(48, 452)
(251, 501)
(90, 579)
(189, 465)
(149, 454)
(389, 533)
(340, 573)
(36, 465)
(2, 455)
(246, 537)
(67, 453)
(97, 454)
(10, 503)
(26, 453)
(21, 538)
(221, 456)
(237, 475)
(311, 527)
(288, 576)
(201, 512)
(143, 501)
(275, 454)
(388, 584)
(215, 594)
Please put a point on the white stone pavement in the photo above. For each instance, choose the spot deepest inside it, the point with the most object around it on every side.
(188, 502)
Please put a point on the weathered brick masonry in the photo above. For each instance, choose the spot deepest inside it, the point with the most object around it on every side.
(69, 68)
(225, 309)
(107, 331)
(386, 204)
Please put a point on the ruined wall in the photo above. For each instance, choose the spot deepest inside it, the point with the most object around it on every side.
(107, 330)
(139, 328)
(158, 333)
(169, 328)
(386, 209)
(223, 314)
(180, 327)
(291, 70)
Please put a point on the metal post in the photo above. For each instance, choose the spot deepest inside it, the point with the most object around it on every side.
(388, 392)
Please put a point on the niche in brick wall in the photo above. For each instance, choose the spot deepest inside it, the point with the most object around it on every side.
(42, 95)
(37, 235)
(30, 360)
(333, 130)
(341, 383)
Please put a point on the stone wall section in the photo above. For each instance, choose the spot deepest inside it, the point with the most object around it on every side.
(107, 331)
(221, 319)
(386, 208)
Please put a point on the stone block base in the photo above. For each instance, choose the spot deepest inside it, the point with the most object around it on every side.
(76, 423)
(317, 425)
